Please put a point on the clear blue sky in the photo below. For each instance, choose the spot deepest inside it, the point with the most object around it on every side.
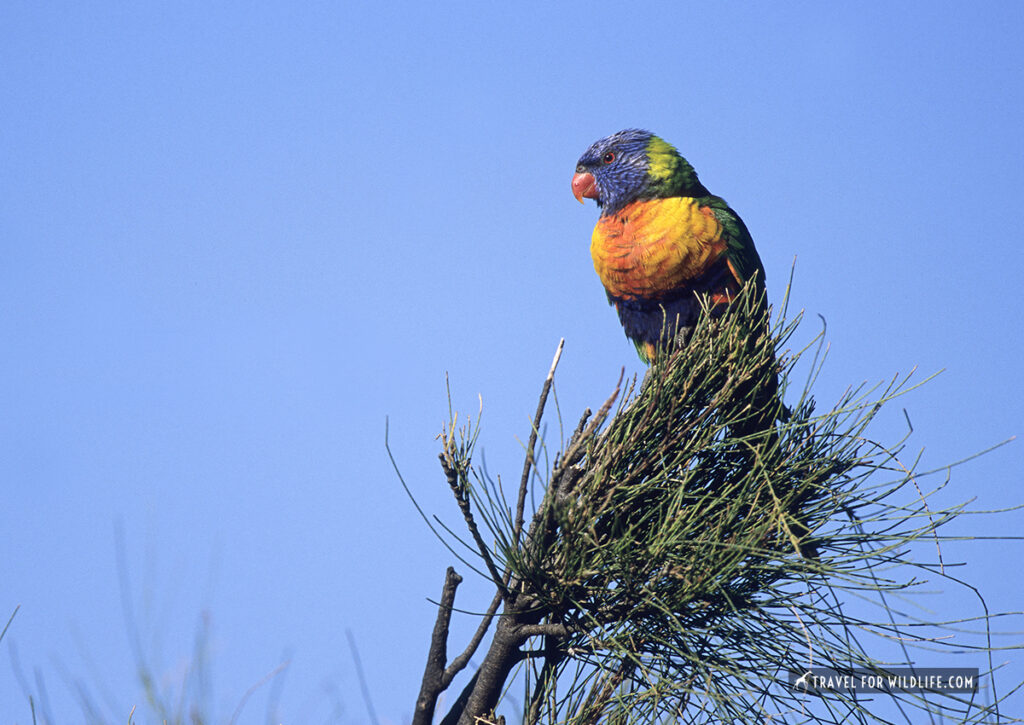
(235, 237)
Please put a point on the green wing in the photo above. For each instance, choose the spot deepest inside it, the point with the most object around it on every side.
(740, 251)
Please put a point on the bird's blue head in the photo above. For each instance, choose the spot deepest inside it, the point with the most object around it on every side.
(630, 165)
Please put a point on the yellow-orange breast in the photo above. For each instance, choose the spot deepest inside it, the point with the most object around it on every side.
(655, 246)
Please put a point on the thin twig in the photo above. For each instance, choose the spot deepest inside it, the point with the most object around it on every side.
(463, 659)
(552, 656)
(574, 451)
(528, 463)
(452, 475)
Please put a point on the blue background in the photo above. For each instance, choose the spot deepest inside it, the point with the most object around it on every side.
(234, 237)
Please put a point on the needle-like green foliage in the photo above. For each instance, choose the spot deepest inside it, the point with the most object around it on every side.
(692, 549)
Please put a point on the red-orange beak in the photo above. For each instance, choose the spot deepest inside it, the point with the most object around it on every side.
(583, 185)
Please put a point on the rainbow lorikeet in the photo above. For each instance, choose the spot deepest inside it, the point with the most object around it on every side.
(662, 238)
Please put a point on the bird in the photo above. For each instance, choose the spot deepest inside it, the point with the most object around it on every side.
(662, 238)
(661, 242)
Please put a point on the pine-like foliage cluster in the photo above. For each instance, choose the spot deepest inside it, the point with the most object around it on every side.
(694, 543)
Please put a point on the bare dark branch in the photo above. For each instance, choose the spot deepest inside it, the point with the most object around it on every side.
(434, 675)
(463, 659)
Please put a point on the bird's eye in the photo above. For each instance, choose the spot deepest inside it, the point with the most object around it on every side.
(609, 157)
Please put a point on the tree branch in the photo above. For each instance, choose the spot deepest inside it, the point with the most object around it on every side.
(553, 655)
(536, 630)
(434, 675)
(528, 463)
(575, 449)
(462, 499)
(463, 659)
